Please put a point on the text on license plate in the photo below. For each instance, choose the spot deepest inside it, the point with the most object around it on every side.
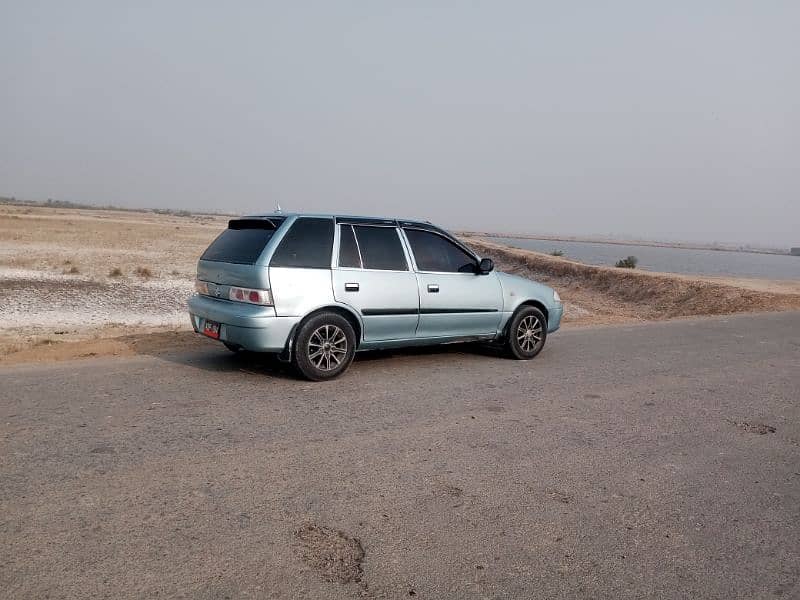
(211, 329)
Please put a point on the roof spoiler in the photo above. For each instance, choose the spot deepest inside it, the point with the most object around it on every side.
(263, 223)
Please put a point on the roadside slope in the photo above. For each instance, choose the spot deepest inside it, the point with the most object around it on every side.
(596, 294)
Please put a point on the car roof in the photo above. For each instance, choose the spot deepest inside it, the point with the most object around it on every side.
(354, 219)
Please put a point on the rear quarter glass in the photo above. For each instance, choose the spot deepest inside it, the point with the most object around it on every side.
(307, 245)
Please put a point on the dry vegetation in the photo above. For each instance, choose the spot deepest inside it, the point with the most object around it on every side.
(108, 279)
(143, 272)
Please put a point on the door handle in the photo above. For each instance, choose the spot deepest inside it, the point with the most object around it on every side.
(433, 288)
(351, 287)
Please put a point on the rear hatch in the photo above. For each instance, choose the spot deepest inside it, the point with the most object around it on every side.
(232, 259)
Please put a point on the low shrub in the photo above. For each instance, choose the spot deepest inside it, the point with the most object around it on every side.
(627, 263)
(115, 272)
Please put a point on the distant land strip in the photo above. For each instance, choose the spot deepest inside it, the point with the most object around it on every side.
(625, 242)
(67, 204)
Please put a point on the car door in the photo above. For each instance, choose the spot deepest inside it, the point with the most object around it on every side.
(454, 300)
(373, 276)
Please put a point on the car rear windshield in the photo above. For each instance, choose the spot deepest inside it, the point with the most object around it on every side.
(243, 241)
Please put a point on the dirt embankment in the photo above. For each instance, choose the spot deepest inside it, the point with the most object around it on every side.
(596, 294)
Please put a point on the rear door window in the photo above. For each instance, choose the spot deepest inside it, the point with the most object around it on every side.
(434, 253)
(381, 248)
(242, 243)
(307, 245)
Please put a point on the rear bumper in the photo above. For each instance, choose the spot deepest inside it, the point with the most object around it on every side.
(254, 328)
(554, 315)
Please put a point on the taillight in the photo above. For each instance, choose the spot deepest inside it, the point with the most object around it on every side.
(262, 297)
(201, 287)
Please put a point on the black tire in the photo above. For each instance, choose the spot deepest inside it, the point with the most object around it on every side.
(320, 353)
(527, 333)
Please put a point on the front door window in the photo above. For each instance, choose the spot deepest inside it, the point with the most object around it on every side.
(435, 254)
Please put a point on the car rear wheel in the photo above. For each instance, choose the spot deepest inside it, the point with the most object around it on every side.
(527, 333)
(325, 346)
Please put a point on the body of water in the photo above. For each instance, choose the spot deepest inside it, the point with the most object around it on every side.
(671, 260)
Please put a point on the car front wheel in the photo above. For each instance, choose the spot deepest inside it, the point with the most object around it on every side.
(325, 346)
(527, 333)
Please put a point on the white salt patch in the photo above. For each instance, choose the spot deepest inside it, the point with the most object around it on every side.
(40, 299)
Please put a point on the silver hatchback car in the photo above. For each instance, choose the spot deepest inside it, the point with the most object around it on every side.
(316, 289)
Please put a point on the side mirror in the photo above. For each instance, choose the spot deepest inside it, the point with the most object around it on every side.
(486, 266)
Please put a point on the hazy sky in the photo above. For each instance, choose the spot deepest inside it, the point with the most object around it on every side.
(669, 120)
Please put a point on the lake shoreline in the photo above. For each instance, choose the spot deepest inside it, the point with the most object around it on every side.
(618, 242)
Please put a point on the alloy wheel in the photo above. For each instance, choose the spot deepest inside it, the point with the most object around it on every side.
(327, 347)
(529, 333)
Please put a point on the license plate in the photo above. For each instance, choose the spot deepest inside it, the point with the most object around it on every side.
(211, 329)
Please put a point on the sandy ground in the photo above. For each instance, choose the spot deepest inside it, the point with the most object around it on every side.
(77, 282)
(97, 277)
(759, 285)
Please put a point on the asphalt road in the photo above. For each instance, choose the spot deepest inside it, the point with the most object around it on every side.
(616, 465)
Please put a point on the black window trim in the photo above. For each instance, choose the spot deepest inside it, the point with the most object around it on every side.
(366, 221)
(449, 238)
(340, 226)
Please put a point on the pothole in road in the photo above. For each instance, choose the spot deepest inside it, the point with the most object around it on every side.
(562, 497)
(758, 428)
(452, 490)
(102, 448)
(336, 556)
